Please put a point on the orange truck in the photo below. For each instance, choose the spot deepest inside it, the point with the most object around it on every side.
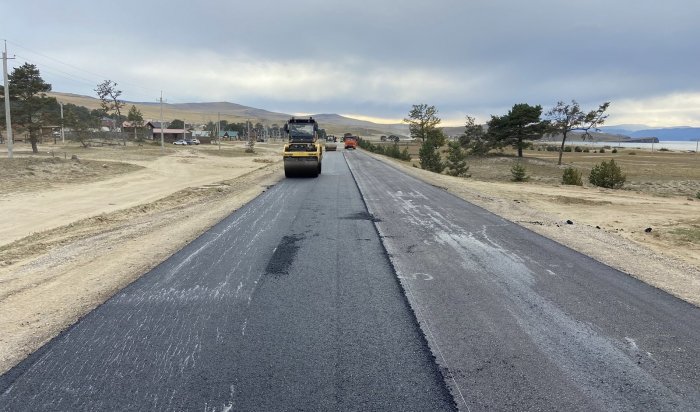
(350, 141)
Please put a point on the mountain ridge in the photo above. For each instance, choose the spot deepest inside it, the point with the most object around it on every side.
(337, 124)
(234, 112)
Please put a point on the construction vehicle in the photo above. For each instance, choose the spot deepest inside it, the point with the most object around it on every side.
(303, 153)
(331, 143)
(350, 141)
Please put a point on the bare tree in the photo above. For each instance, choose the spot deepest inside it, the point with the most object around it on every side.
(565, 118)
(109, 97)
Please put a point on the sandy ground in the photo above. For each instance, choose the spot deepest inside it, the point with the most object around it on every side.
(48, 209)
(84, 240)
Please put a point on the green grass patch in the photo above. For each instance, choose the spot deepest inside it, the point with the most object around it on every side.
(691, 234)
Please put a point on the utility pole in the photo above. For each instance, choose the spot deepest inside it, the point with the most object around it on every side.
(162, 145)
(8, 120)
(218, 129)
(63, 135)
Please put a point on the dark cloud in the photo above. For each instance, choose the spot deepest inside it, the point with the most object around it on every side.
(369, 57)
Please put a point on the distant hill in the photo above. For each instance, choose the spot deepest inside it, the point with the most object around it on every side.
(337, 124)
(672, 133)
(662, 133)
(594, 136)
(623, 129)
(233, 112)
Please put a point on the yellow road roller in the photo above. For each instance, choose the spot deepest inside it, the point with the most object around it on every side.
(303, 152)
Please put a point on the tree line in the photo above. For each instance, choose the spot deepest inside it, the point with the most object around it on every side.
(32, 109)
(522, 124)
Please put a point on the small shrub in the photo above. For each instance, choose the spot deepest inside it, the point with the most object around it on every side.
(586, 150)
(663, 149)
(614, 150)
(607, 174)
(632, 153)
(571, 177)
(429, 157)
(697, 195)
(479, 147)
(518, 173)
(392, 151)
(456, 160)
(602, 150)
(567, 149)
(578, 149)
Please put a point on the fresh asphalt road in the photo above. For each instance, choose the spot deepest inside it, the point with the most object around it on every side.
(518, 322)
(290, 303)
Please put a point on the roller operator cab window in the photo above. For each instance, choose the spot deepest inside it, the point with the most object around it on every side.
(301, 131)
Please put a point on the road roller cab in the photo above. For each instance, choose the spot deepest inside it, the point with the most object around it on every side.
(303, 153)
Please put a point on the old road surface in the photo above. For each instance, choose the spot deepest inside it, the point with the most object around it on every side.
(292, 303)
(518, 322)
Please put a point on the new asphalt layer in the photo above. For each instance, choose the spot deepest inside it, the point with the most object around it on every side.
(396, 296)
(519, 322)
(290, 303)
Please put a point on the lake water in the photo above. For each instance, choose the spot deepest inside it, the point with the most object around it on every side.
(676, 146)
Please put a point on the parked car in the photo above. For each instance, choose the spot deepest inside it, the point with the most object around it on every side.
(181, 141)
(193, 140)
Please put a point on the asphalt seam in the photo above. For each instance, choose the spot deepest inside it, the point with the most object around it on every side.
(406, 289)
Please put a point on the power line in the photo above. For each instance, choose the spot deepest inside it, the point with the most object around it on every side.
(94, 77)
(8, 119)
(54, 59)
(54, 70)
(98, 76)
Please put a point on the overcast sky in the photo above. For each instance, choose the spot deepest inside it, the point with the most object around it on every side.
(373, 59)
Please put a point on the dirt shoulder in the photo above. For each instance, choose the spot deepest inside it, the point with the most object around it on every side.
(608, 225)
(71, 263)
(126, 179)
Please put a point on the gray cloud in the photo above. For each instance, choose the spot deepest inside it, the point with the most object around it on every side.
(373, 58)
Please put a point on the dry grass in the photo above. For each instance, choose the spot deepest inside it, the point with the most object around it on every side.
(25, 174)
(661, 173)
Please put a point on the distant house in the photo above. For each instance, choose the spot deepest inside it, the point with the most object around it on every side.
(152, 124)
(169, 135)
(201, 133)
(108, 124)
(228, 134)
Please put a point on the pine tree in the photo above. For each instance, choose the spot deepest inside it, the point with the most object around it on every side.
(518, 172)
(430, 158)
(456, 160)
